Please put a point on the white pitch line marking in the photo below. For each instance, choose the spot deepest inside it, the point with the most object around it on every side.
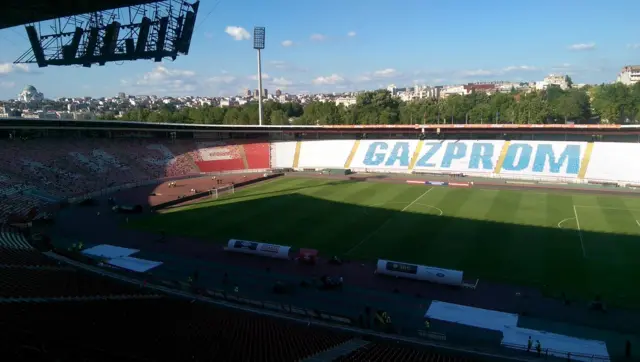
(575, 212)
(638, 222)
(384, 224)
(416, 200)
(563, 221)
(606, 208)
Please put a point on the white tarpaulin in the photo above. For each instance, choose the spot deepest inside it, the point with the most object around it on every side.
(514, 336)
(134, 264)
(109, 251)
(470, 316)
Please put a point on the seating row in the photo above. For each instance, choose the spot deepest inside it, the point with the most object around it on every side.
(38, 171)
(154, 330)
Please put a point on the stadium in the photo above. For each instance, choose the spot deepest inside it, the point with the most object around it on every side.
(318, 243)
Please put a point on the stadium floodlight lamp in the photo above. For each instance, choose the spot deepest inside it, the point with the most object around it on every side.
(258, 37)
(258, 44)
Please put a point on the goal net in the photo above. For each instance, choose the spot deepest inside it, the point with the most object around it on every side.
(222, 191)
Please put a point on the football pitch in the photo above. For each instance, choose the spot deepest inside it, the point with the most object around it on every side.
(579, 244)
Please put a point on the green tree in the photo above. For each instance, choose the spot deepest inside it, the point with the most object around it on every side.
(279, 117)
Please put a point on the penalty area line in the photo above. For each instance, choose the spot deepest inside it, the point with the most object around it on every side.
(366, 238)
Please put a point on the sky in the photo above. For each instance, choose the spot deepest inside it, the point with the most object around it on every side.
(348, 45)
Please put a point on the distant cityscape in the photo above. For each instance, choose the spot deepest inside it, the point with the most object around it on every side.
(32, 104)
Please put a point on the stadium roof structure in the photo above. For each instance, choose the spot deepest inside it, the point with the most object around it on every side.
(19, 12)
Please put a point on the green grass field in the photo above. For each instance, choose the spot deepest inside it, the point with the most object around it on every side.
(579, 244)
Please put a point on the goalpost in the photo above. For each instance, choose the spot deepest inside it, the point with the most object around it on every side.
(222, 191)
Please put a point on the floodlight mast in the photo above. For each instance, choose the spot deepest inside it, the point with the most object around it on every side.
(258, 44)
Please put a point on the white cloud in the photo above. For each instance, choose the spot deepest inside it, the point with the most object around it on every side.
(582, 46)
(317, 37)
(255, 76)
(563, 67)
(517, 68)
(330, 80)
(281, 82)
(7, 84)
(351, 34)
(287, 43)
(477, 73)
(633, 46)
(226, 79)
(380, 75)
(164, 80)
(237, 32)
(480, 73)
(385, 73)
(285, 66)
(8, 68)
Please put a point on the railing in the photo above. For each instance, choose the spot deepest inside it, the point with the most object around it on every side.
(551, 353)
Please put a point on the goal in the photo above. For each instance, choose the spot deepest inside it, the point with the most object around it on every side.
(222, 191)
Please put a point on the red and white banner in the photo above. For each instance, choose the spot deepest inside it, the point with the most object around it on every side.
(218, 153)
(459, 184)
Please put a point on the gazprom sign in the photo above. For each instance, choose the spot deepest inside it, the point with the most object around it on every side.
(557, 158)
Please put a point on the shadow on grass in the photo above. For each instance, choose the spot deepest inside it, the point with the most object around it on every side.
(251, 195)
(547, 257)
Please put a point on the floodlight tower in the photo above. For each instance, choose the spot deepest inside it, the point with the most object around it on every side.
(258, 44)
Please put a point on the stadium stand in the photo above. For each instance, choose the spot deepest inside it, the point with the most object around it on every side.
(16, 251)
(10, 239)
(51, 169)
(38, 296)
(537, 160)
(375, 352)
(34, 172)
(156, 329)
(257, 155)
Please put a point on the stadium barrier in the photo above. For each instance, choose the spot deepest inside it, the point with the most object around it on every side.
(440, 183)
(178, 201)
(112, 189)
(336, 171)
(255, 248)
(127, 186)
(420, 272)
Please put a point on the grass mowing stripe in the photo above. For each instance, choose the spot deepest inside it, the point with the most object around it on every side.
(575, 212)
(355, 247)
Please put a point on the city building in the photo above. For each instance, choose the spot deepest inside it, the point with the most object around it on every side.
(30, 94)
(629, 75)
(346, 101)
(553, 79)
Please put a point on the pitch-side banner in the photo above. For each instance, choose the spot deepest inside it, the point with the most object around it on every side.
(256, 248)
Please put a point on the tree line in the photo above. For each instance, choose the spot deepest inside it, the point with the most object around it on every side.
(607, 103)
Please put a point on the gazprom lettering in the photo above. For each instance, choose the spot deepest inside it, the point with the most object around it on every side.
(480, 156)
(399, 155)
